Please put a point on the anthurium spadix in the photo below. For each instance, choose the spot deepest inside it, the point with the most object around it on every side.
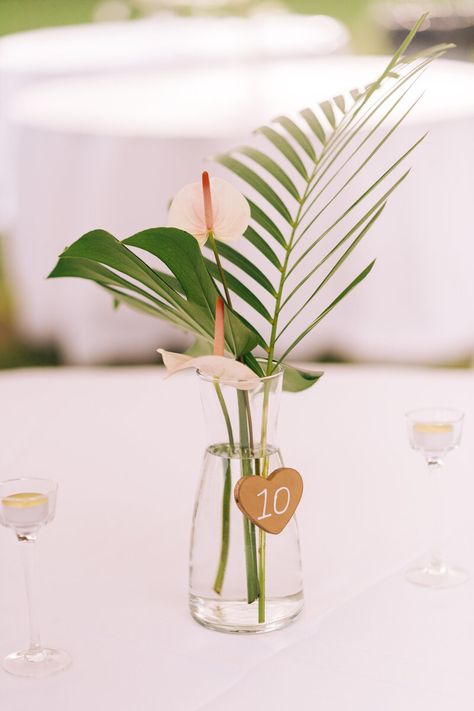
(212, 205)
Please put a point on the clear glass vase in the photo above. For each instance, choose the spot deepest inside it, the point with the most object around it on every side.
(241, 579)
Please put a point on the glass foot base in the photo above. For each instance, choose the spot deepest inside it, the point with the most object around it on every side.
(440, 576)
(36, 663)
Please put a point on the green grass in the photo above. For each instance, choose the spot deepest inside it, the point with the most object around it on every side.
(19, 15)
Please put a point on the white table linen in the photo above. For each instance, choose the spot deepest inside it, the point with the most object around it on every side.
(163, 41)
(111, 152)
(113, 565)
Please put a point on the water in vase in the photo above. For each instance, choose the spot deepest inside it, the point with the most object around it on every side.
(221, 595)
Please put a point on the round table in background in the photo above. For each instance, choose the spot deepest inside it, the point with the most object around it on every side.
(161, 41)
(110, 152)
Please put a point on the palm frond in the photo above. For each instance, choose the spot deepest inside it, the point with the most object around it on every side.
(317, 159)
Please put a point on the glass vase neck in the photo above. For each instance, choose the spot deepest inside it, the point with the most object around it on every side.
(242, 419)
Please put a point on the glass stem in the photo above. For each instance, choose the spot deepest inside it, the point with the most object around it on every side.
(436, 559)
(27, 545)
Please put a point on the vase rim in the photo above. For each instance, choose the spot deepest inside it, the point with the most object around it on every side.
(254, 382)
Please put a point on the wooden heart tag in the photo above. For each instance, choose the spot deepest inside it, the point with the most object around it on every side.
(270, 503)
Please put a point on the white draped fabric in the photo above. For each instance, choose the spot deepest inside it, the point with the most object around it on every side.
(161, 42)
(110, 152)
(113, 565)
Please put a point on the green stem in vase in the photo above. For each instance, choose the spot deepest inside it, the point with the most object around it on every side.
(224, 554)
(261, 574)
(250, 542)
(255, 566)
(245, 426)
(262, 536)
(226, 499)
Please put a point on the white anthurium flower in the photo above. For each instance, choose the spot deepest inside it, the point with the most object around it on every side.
(217, 366)
(213, 205)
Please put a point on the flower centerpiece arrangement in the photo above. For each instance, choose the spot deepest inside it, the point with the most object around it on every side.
(296, 171)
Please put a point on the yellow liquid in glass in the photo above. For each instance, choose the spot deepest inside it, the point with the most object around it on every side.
(433, 427)
(25, 500)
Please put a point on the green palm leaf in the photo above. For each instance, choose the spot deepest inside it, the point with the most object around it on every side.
(338, 130)
(259, 243)
(257, 183)
(364, 273)
(262, 219)
(300, 137)
(328, 112)
(240, 289)
(285, 147)
(314, 124)
(273, 168)
(237, 258)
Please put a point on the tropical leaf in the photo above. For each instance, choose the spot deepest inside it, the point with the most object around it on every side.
(336, 266)
(271, 167)
(200, 347)
(263, 247)
(93, 271)
(295, 379)
(267, 223)
(314, 124)
(328, 146)
(328, 112)
(285, 147)
(240, 289)
(246, 266)
(100, 257)
(102, 247)
(347, 290)
(182, 255)
(257, 183)
(300, 137)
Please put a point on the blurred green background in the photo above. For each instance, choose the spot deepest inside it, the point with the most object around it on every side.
(18, 15)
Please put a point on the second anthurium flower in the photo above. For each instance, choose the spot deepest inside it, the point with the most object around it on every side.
(211, 206)
(218, 366)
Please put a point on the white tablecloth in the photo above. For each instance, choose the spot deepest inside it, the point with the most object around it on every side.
(161, 42)
(111, 152)
(113, 565)
(166, 40)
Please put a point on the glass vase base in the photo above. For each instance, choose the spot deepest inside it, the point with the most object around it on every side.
(238, 617)
(438, 577)
(36, 664)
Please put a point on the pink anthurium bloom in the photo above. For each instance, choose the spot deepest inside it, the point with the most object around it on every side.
(217, 365)
(213, 205)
